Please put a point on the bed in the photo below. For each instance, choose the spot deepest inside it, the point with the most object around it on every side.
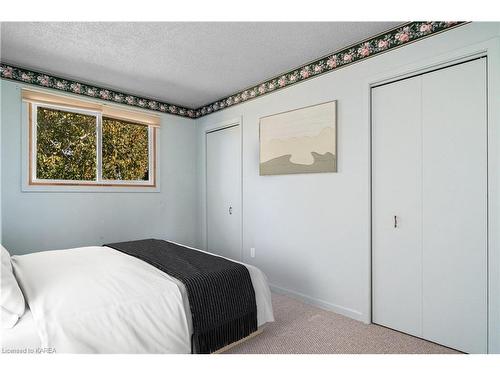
(100, 300)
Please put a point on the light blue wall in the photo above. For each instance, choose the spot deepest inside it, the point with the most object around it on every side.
(35, 221)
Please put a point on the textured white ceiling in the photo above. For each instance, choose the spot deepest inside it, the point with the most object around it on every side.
(188, 63)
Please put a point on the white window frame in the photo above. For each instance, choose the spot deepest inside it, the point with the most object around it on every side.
(99, 181)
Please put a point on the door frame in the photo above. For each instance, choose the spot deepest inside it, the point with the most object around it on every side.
(491, 50)
(211, 129)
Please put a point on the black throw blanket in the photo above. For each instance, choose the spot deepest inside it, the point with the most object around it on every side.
(220, 292)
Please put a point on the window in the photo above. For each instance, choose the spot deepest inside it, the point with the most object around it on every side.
(66, 145)
(125, 150)
(76, 143)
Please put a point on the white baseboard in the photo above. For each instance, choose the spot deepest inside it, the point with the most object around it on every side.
(320, 303)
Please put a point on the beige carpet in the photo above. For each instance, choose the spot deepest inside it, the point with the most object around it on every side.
(301, 328)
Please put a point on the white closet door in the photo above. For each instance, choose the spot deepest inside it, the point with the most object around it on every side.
(396, 194)
(455, 206)
(223, 163)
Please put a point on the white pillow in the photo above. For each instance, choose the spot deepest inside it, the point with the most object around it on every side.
(11, 297)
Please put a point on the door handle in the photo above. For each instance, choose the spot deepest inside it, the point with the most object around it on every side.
(395, 221)
(230, 210)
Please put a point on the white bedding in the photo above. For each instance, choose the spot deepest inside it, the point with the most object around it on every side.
(99, 300)
(21, 338)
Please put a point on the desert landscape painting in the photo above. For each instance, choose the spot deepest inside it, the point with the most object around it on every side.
(299, 141)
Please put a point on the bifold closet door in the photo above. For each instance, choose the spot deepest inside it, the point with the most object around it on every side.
(429, 206)
(455, 206)
(396, 206)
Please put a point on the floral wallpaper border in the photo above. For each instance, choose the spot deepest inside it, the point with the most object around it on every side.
(61, 84)
(395, 38)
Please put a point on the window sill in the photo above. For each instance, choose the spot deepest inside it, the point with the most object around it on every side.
(62, 188)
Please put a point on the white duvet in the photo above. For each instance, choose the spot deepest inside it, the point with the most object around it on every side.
(99, 300)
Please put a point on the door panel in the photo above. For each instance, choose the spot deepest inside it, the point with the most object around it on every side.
(455, 206)
(223, 165)
(396, 191)
(430, 166)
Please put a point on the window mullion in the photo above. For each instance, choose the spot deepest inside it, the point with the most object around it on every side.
(99, 147)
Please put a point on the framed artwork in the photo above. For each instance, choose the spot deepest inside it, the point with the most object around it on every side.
(299, 141)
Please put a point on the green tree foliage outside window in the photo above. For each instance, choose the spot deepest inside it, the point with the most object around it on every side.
(125, 150)
(65, 145)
